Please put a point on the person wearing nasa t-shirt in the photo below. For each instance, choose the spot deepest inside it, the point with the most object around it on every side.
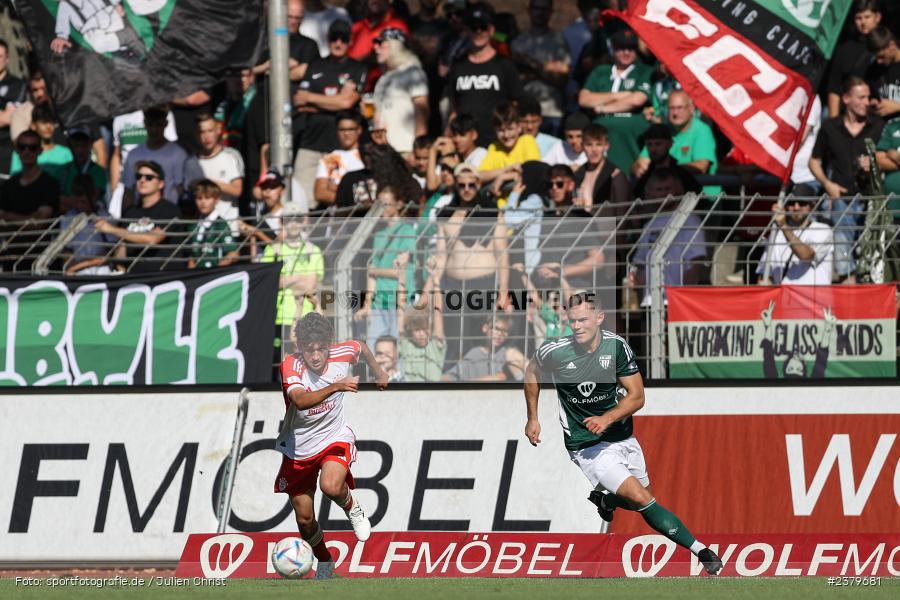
(330, 85)
(315, 440)
(478, 83)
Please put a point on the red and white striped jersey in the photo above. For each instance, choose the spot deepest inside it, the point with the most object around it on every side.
(306, 432)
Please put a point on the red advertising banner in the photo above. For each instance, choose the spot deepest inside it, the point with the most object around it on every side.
(778, 474)
(443, 554)
(790, 331)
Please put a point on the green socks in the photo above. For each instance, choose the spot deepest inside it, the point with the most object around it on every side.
(667, 524)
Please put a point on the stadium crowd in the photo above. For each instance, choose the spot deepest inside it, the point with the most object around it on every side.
(466, 131)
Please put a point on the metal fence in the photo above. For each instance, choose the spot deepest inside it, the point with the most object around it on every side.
(625, 253)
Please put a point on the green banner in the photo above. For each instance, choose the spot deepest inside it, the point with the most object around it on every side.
(213, 327)
(821, 20)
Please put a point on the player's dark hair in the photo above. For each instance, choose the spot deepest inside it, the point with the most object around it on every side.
(206, 188)
(529, 105)
(584, 297)
(879, 39)
(561, 170)
(348, 115)
(42, 113)
(312, 328)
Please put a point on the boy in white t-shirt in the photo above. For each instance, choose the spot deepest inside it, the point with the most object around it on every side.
(334, 165)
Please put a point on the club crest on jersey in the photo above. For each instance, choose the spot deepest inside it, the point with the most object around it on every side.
(605, 359)
(586, 387)
(282, 484)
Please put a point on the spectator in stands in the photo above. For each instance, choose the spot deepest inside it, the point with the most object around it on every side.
(384, 168)
(220, 164)
(549, 320)
(87, 251)
(419, 159)
(803, 248)
(512, 148)
(693, 147)
(12, 93)
(54, 158)
(169, 155)
(577, 35)
(302, 274)
(149, 223)
(569, 151)
(422, 346)
(378, 16)
(888, 157)
(685, 258)
(493, 359)
(345, 159)
(657, 154)
(331, 85)
(851, 58)
(523, 211)
(397, 236)
(37, 94)
(570, 254)
(840, 152)
(471, 253)
(232, 111)
(484, 79)
(317, 19)
(883, 75)
(401, 93)
(129, 131)
(803, 180)
(464, 133)
(301, 49)
(271, 190)
(663, 86)
(541, 56)
(532, 123)
(599, 180)
(210, 239)
(82, 164)
(616, 94)
(430, 31)
(31, 193)
(387, 356)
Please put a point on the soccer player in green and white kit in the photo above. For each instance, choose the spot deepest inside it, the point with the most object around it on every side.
(599, 389)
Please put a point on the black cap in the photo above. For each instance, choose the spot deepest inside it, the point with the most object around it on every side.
(338, 27)
(271, 176)
(657, 131)
(391, 33)
(625, 39)
(152, 165)
(479, 15)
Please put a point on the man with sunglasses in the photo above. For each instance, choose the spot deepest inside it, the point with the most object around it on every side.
(478, 83)
(147, 224)
(378, 17)
(330, 85)
(803, 250)
(31, 193)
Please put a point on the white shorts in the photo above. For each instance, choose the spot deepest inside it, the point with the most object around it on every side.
(609, 464)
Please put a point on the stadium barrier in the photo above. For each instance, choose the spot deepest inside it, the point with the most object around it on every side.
(641, 247)
(136, 473)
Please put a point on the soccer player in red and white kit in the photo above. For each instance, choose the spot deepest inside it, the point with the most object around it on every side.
(315, 439)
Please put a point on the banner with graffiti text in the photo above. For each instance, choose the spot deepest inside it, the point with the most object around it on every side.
(782, 332)
(213, 327)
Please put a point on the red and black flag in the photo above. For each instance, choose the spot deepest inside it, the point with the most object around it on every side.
(751, 65)
(103, 58)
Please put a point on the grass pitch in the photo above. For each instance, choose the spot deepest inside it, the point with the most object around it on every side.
(471, 589)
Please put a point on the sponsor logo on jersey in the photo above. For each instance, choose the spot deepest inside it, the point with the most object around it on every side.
(570, 366)
(477, 82)
(605, 359)
(586, 387)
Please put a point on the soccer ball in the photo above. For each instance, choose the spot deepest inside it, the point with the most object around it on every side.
(292, 558)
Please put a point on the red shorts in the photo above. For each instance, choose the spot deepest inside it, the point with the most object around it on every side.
(297, 477)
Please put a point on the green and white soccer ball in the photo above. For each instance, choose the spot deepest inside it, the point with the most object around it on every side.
(292, 558)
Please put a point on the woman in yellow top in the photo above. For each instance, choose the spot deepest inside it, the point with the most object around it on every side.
(511, 149)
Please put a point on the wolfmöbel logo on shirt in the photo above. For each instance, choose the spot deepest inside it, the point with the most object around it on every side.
(477, 82)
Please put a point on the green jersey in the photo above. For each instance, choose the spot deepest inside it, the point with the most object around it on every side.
(587, 385)
(210, 241)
